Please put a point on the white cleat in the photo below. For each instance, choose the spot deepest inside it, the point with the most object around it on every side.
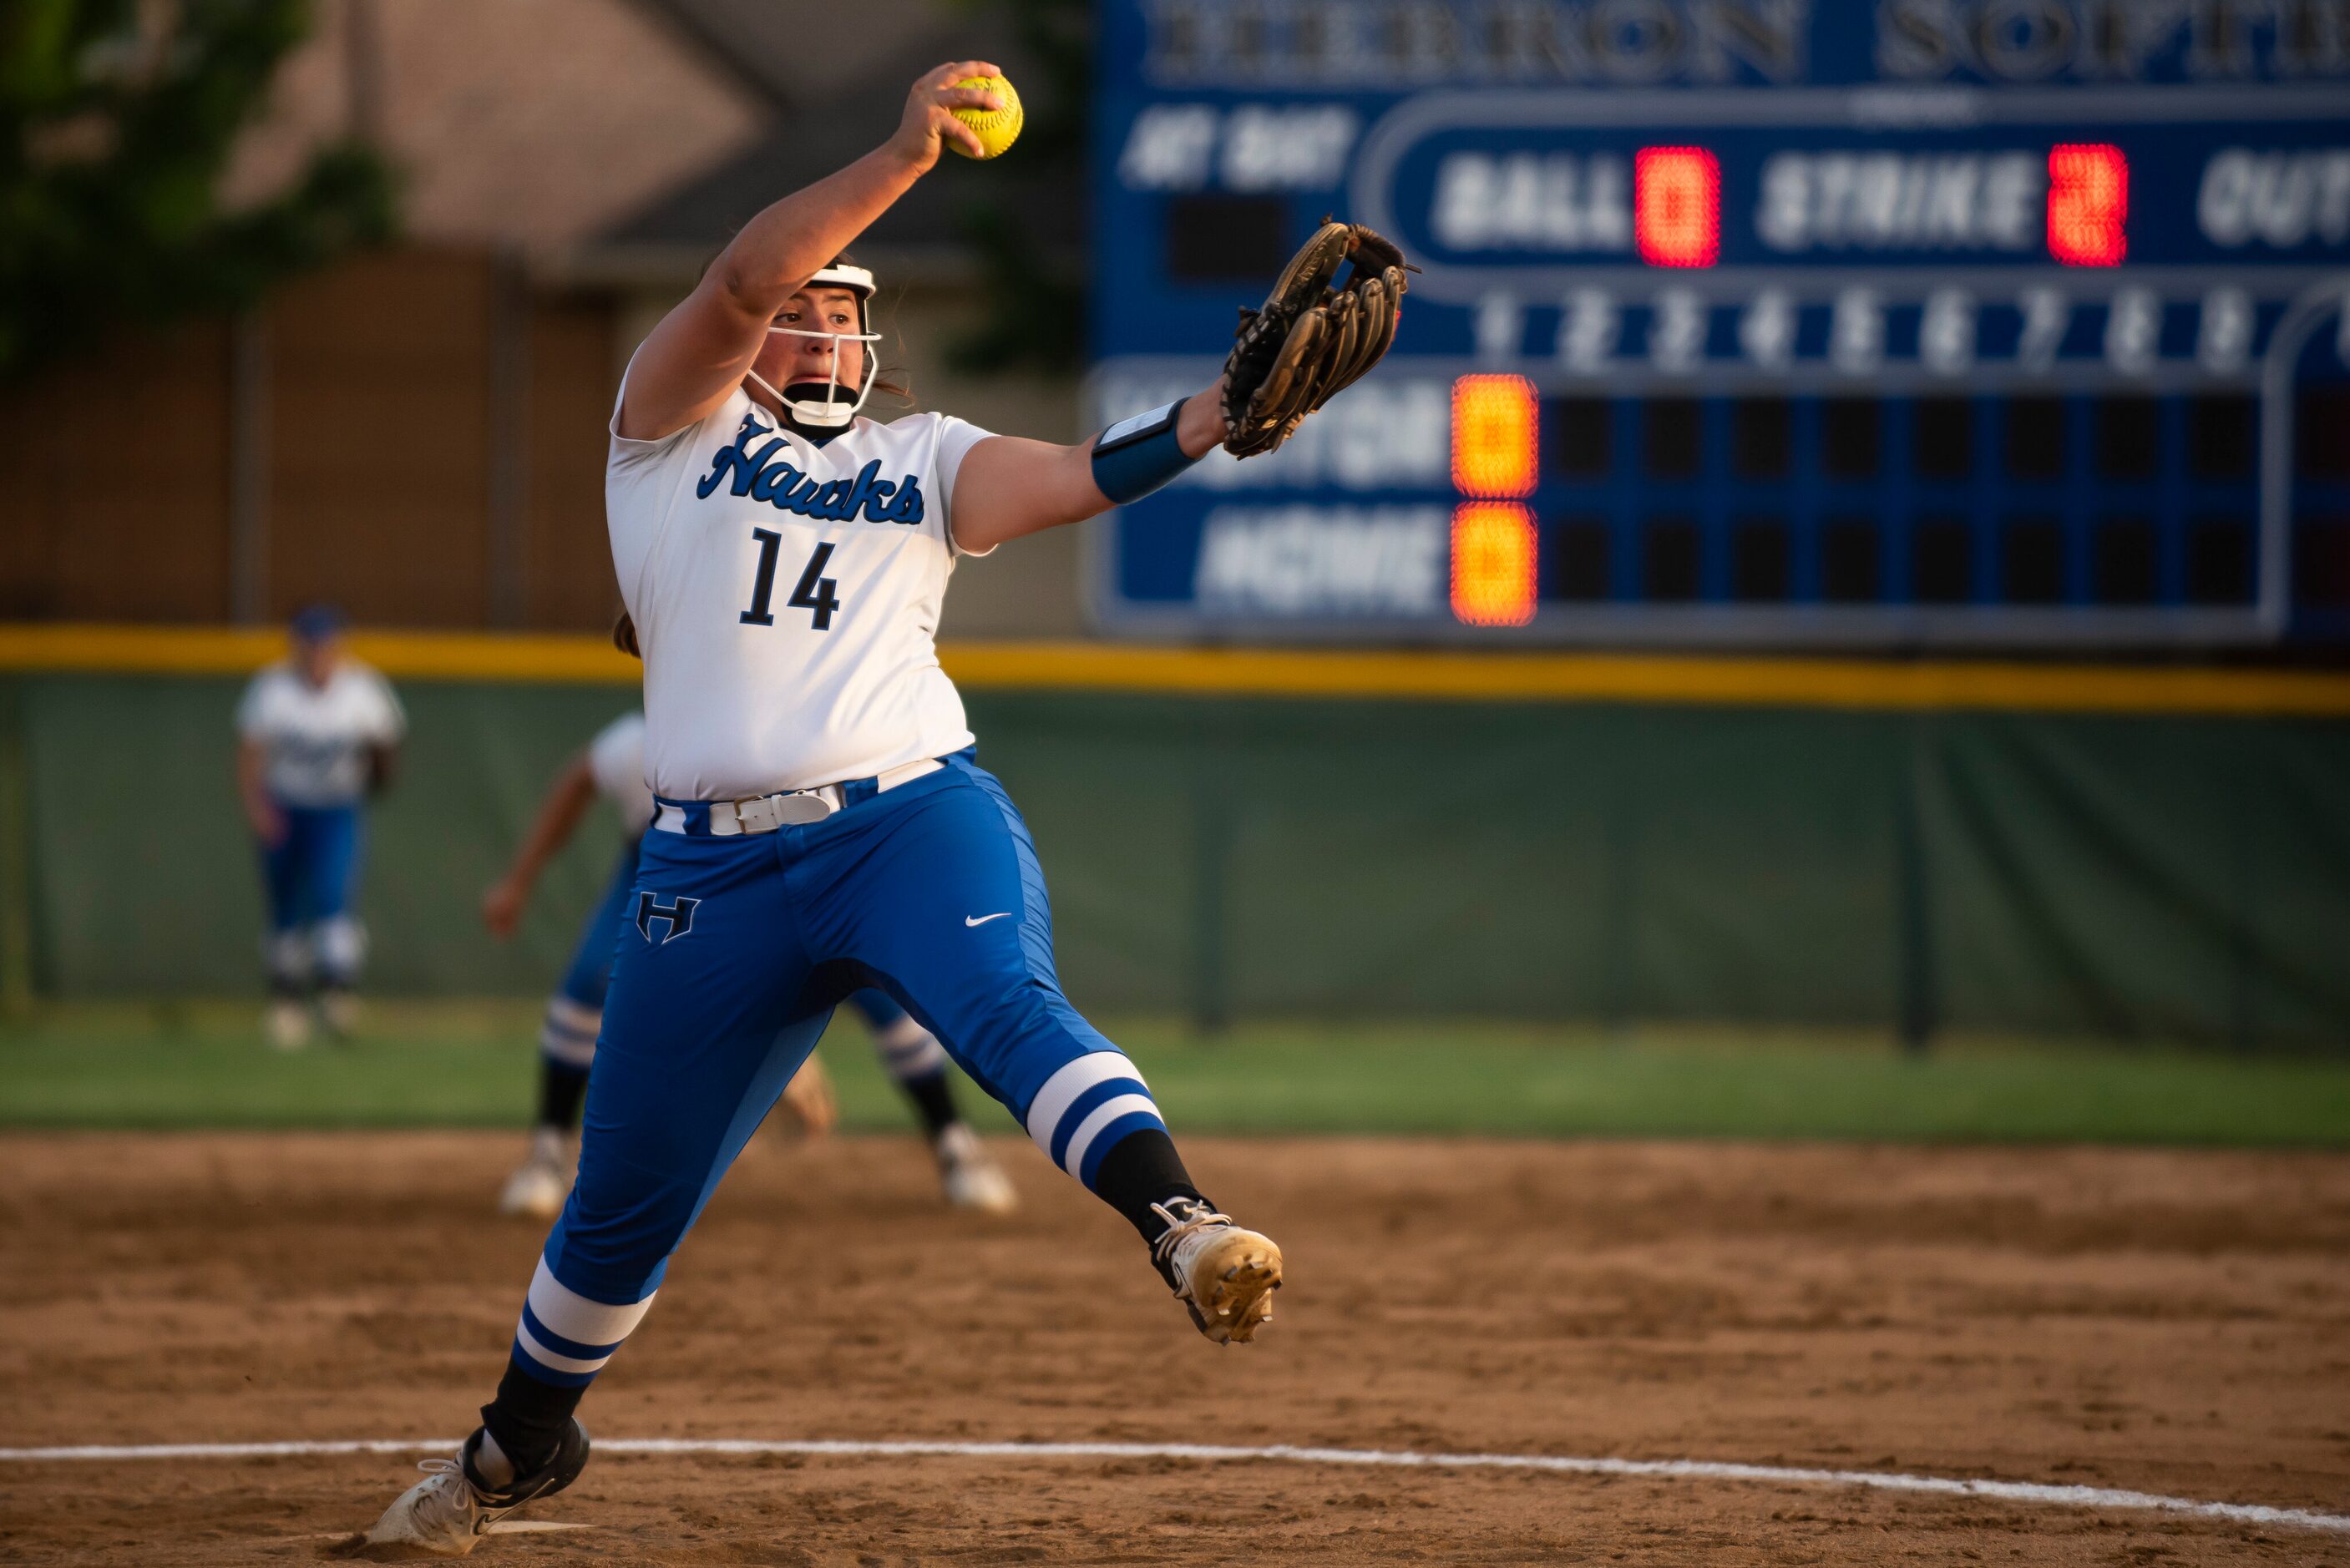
(447, 1513)
(339, 1011)
(1224, 1275)
(286, 1024)
(539, 1185)
(971, 1179)
(443, 1515)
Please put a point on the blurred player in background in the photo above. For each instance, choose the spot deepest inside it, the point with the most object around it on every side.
(317, 733)
(613, 766)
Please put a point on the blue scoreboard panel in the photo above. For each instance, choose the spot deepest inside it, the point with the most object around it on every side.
(1997, 322)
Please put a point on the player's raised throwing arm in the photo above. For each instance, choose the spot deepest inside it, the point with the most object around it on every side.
(700, 352)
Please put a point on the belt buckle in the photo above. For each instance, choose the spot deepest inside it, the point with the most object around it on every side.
(785, 809)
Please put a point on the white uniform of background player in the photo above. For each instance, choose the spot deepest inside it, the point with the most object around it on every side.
(616, 757)
(316, 734)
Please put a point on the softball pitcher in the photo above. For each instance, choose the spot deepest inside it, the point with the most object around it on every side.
(613, 766)
(821, 822)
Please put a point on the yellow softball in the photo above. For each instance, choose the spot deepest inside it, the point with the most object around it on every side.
(997, 128)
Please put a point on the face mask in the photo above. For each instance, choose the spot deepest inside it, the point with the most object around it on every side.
(827, 404)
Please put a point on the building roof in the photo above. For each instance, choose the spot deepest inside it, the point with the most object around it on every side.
(825, 120)
(525, 124)
(760, 41)
(626, 139)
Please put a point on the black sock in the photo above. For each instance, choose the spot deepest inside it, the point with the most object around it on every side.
(1143, 1168)
(561, 1086)
(934, 1098)
(528, 1418)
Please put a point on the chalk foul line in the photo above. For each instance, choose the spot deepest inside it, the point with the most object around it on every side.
(2094, 1497)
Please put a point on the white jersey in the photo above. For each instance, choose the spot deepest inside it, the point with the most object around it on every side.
(315, 739)
(785, 595)
(616, 758)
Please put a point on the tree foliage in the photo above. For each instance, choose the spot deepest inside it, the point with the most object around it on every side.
(117, 120)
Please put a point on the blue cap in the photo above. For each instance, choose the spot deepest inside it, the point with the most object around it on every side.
(318, 622)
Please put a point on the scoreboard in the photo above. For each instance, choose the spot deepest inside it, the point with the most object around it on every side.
(2012, 323)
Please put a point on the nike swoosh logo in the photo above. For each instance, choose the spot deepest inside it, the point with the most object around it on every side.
(982, 920)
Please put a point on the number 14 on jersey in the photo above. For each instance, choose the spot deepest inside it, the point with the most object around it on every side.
(814, 591)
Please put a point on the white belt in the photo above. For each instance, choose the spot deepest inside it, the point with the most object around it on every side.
(790, 808)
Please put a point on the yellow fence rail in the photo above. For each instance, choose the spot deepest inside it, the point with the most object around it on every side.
(1849, 683)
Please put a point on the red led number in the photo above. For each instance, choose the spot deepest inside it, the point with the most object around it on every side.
(1495, 421)
(1677, 206)
(2088, 204)
(1493, 557)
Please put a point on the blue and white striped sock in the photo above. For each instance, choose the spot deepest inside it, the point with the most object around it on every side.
(909, 1051)
(564, 1338)
(567, 1034)
(1084, 1108)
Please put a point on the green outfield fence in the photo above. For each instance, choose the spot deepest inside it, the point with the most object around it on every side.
(1611, 841)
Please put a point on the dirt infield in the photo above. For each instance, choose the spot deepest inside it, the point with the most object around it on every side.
(2173, 1323)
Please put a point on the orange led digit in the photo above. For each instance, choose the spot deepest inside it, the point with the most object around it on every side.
(1495, 440)
(2088, 204)
(1493, 564)
(1677, 206)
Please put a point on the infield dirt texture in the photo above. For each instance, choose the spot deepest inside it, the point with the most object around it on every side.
(2172, 1322)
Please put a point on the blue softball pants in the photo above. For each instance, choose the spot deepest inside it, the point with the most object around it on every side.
(311, 872)
(734, 953)
(310, 876)
(575, 1013)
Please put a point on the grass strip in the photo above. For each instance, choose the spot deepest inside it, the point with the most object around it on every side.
(203, 1065)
